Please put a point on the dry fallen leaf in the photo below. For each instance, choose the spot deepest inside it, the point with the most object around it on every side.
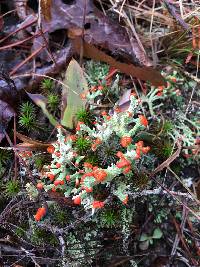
(142, 73)
(30, 144)
(100, 30)
(46, 9)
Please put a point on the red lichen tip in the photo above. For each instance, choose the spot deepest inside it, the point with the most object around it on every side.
(98, 204)
(125, 141)
(77, 200)
(143, 120)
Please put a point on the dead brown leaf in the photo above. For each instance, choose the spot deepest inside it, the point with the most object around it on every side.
(30, 144)
(46, 9)
(100, 30)
(142, 73)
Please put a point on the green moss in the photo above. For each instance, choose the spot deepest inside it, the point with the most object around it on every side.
(84, 116)
(82, 145)
(47, 85)
(12, 188)
(27, 118)
(60, 215)
(162, 148)
(5, 155)
(41, 237)
(21, 231)
(167, 149)
(53, 101)
(27, 108)
(40, 161)
(92, 159)
(109, 218)
(167, 127)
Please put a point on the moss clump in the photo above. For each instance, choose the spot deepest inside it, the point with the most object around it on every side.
(85, 116)
(140, 180)
(40, 237)
(92, 159)
(12, 188)
(167, 127)
(5, 155)
(53, 101)
(162, 148)
(59, 216)
(40, 161)
(82, 145)
(107, 151)
(109, 218)
(166, 149)
(27, 118)
(47, 85)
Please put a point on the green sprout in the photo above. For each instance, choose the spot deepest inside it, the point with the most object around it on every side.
(47, 84)
(167, 127)
(92, 159)
(27, 116)
(109, 219)
(4, 156)
(84, 116)
(12, 188)
(53, 101)
(82, 145)
(146, 239)
(167, 149)
(27, 108)
(40, 161)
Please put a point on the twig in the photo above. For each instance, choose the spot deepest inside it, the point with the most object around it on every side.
(160, 191)
(167, 162)
(177, 238)
(20, 42)
(15, 142)
(32, 256)
(17, 30)
(172, 11)
(82, 33)
(27, 59)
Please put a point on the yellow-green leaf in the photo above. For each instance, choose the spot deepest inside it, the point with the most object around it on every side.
(76, 84)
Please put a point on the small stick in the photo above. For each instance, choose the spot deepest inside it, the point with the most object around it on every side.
(26, 60)
(19, 42)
